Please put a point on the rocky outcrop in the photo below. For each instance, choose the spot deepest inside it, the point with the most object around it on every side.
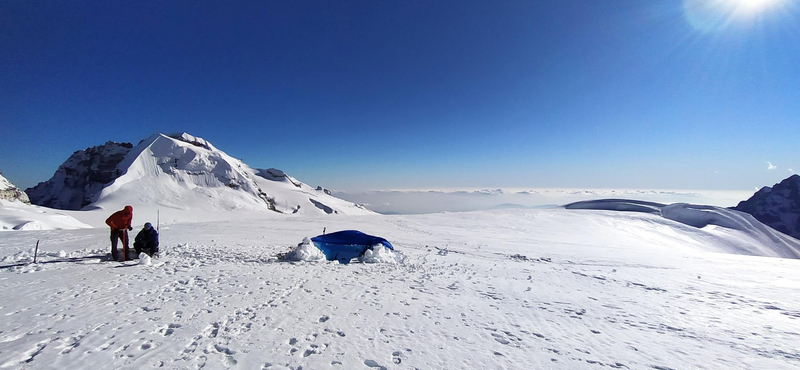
(10, 192)
(78, 181)
(275, 174)
(777, 206)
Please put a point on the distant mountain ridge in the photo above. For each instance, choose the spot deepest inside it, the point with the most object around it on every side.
(777, 206)
(180, 172)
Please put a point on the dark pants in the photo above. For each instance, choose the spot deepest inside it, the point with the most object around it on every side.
(119, 234)
(150, 248)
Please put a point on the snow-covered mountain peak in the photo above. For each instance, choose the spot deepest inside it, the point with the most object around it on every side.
(10, 192)
(183, 175)
(165, 170)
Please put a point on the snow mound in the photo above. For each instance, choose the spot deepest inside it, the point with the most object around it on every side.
(305, 251)
(144, 259)
(741, 232)
(21, 216)
(378, 254)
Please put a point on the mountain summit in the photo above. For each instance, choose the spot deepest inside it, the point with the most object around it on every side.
(777, 206)
(182, 173)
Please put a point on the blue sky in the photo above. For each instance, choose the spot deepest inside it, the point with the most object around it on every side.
(415, 94)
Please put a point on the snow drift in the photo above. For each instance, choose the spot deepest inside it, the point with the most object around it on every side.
(742, 233)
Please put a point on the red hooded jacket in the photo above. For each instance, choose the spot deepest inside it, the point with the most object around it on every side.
(121, 219)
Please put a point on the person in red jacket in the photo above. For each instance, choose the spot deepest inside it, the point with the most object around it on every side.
(120, 223)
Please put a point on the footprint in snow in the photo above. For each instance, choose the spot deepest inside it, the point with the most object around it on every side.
(373, 364)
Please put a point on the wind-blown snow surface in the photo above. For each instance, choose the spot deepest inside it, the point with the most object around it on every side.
(511, 289)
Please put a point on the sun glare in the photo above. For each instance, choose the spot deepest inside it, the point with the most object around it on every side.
(751, 6)
(716, 15)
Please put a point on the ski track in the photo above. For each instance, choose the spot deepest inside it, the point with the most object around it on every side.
(224, 301)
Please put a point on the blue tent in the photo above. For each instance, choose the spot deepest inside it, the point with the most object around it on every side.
(346, 245)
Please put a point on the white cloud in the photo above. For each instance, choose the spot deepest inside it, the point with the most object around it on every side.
(424, 201)
(791, 170)
(770, 166)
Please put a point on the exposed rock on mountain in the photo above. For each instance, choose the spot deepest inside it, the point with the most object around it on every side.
(777, 206)
(10, 192)
(78, 182)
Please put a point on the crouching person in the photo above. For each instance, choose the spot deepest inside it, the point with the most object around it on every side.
(146, 241)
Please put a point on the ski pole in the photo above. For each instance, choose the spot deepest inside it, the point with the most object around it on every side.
(36, 252)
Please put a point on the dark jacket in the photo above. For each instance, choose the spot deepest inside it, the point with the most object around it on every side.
(147, 236)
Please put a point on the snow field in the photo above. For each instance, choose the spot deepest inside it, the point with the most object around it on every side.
(532, 289)
(18, 216)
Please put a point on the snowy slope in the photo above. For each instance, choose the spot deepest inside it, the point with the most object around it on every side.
(20, 216)
(737, 232)
(16, 213)
(510, 289)
(182, 178)
(291, 194)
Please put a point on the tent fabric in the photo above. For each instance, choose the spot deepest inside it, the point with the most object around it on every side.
(346, 245)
